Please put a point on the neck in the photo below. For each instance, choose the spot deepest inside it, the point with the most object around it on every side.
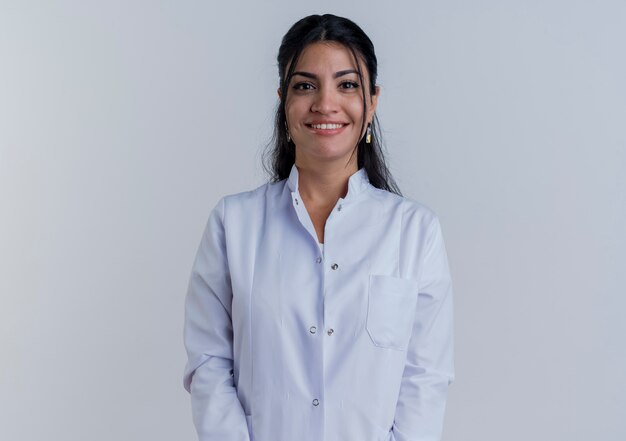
(323, 184)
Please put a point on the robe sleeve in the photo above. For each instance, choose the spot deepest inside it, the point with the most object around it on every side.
(208, 336)
(429, 368)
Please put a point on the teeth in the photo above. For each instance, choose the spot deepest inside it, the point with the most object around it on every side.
(326, 126)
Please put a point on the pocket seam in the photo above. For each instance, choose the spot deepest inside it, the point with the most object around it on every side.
(399, 289)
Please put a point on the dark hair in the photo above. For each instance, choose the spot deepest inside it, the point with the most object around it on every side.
(280, 158)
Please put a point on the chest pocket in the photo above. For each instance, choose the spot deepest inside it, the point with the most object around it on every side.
(391, 310)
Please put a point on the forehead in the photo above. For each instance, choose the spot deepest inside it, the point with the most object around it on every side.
(332, 56)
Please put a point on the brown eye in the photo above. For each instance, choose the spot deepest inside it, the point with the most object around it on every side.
(303, 86)
(349, 85)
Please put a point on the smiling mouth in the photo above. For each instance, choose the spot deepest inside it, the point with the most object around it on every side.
(326, 126)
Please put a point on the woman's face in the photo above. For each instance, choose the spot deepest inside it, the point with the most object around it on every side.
(324, 106)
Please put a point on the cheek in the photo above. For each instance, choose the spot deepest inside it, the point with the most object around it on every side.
(357, 112)
(293, 111)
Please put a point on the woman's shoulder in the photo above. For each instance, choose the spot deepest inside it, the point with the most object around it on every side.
(409, 207)
(249, 201)
(256, 194)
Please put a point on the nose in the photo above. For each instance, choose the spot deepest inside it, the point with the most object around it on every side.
(325, 101)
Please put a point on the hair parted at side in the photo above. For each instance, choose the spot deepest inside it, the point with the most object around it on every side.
(280, 155)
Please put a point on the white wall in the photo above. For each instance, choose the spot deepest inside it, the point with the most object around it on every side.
(123, 122)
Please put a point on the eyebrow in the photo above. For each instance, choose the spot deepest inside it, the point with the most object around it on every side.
(336, 75)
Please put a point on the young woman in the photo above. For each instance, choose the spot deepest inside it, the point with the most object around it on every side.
(319, 306)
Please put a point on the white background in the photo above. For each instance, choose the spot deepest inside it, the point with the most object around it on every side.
(123, 122)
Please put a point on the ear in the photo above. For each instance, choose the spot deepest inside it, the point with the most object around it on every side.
(280, 95)
(373, 103)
